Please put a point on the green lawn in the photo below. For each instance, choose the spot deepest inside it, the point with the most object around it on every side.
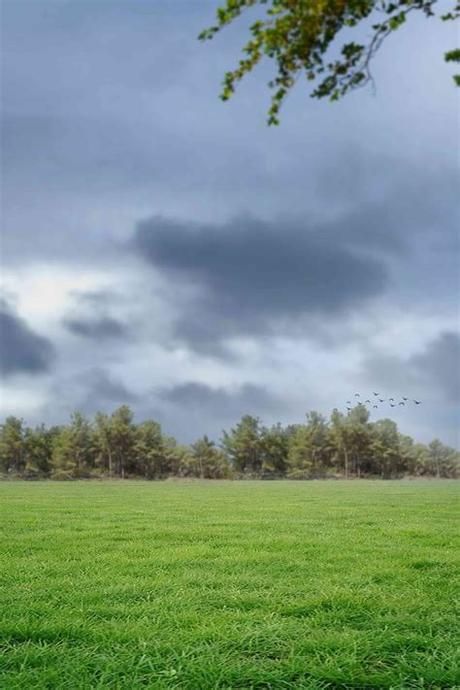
(229, 585)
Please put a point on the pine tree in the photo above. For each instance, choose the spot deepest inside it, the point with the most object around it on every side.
(243, 446)
(12, 446)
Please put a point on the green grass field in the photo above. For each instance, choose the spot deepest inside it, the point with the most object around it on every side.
(229, 585)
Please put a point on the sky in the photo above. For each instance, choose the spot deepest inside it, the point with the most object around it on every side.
(166, 250)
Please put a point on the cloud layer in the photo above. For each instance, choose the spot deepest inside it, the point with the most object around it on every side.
(22, 350)
(250, 275)
(164, 249)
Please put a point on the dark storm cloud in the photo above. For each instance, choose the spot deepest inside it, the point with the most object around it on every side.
(431, 373)
(90, 318)
(252, 273)
(96, 329)
(439, 365)
(102, 387)
(247, 399)
(22, 350)
(89, 391)
(190, 409)
(122, 131)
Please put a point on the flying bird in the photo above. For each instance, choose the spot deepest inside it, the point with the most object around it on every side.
(381, 400)
(357, 395)
(368, 401)
(401, 403)
(405, 399)
(392, 399)
(417, 402)
(376, 393)
(348, 402)
(375, 406)
(391, 405)
(349, 409)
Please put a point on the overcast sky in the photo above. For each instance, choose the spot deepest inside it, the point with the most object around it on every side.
(164, 249)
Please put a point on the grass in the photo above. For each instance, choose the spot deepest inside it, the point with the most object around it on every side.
(229, 585)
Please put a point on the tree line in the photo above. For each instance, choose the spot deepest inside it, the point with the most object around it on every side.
(114, 446)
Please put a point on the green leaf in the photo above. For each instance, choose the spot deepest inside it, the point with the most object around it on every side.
(452, 55)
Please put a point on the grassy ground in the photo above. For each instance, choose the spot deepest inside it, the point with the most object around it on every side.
(229, 585)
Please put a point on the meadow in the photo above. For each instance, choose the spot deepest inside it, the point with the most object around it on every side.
(205, 585)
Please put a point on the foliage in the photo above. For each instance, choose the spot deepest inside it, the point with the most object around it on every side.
(72, 448)
(207, 461)
(275, 449)
(149, 450)
(12, 446)
(243, 446)
(123, 436)
(385, 447)
(115, 446)
(441, 460)
(38, 448)
(302, 36)
(103, 443)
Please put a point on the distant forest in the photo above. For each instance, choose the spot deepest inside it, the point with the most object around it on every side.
(114, 446)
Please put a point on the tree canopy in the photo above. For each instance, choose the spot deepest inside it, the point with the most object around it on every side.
(114, 446)
(303, 37)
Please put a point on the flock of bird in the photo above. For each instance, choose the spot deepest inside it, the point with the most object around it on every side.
(377, 399)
